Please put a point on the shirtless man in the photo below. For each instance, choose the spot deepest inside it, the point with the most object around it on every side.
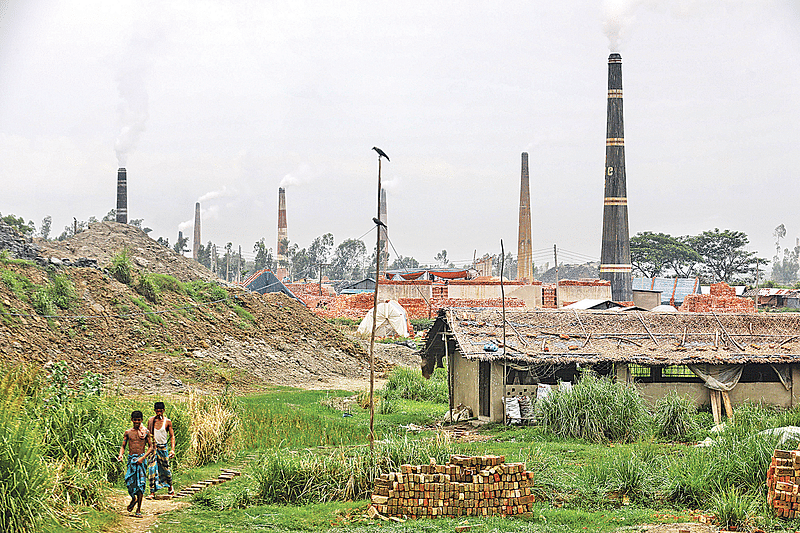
(158, 471)
(140, 445)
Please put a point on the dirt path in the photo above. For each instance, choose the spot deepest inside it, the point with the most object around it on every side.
(151, 510)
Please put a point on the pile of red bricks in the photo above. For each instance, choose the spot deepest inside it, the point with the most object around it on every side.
(355, 306)
(722, 299)
(585, 282)
(783, 478)
(465, 486)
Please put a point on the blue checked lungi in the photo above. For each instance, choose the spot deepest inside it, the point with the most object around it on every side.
(136, 475)
(159, 473)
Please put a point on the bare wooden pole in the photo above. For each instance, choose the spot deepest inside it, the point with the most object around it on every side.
(374, 317)
(503, 299)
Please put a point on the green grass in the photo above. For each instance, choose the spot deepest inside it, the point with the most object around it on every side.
(150, 315)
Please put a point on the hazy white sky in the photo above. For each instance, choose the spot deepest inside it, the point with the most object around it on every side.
(224, 102)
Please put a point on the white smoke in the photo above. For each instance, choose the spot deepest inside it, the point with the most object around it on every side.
(135, 64)
(619, 16)
(186, 224)
(299, 176)
(219, 193)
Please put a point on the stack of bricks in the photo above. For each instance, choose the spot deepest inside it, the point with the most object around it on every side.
(549, 296)
(465, 486)
(783, 478)
(722, 299)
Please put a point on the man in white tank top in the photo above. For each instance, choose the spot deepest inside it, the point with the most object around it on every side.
(159, 472)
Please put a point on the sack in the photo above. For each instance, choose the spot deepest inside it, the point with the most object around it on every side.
(542, 391)
(525, 407)
(512, 410)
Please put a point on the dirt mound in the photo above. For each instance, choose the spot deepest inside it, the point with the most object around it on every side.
(206, 337)
(103, 240)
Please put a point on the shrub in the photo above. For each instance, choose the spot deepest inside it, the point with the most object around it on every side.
(122, 267)
(165, 282)
(421, 324)
(674, 416)
(596, 409)
(62, 291)
(42, 302)
(147, 287)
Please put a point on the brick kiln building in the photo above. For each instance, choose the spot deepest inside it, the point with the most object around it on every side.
(716, 358)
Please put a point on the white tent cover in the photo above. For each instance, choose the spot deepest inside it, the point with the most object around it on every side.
(392, 320)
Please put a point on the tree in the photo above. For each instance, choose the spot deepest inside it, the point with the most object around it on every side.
(404, 263)
(137, 223)
(111, 216)
(784, 271)
(47, 223)
(163, 242)
(318, 252)
(204, 254)
(509, 266)
(653, 254)
(724, 256)
(348, 260)
(70, 231)
(263, 256)
(441, 257)
(19, 224)
(180, 245)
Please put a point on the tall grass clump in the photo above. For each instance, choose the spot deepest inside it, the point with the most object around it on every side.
(165, 282)
(213, 424)
(733, 509)
(409, 384)
(121, 267)
(287, 477)
(674, 416)
(595, 409)
(147, 287)
(636, 474)
(24, 478)
(738, 457)
(62, 291)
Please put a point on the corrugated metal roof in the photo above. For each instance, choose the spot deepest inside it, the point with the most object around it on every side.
(672, 289)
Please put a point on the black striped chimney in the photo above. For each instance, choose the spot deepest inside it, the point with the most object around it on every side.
(196, 238)
(615, 257)
(122, 196)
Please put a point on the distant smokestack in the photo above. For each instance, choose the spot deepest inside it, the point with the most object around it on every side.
(196, 238)
(282, 233)
(384, 237)
(615, 257)
(122, 196)
(525, 241)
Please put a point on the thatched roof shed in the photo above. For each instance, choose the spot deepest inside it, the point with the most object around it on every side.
(590, 337)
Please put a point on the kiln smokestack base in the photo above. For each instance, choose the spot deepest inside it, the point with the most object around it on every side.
(615, 256)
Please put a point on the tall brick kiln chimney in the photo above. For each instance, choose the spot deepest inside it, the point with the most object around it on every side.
(384, 236)
(196, 238)
(282, 233)
(615, 257)
(525, 241)
(122, 196)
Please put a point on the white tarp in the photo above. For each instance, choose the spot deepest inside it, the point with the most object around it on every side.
(391, 321)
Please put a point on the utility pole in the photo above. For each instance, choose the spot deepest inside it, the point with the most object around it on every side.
(378, 225)
(320, 265)
(555, 258)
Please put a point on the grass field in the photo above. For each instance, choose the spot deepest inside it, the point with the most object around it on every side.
(307, 466)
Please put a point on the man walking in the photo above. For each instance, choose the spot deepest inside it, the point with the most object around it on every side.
(140, 446)
(159, 472)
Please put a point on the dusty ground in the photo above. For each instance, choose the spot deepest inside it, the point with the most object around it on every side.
(151, 510)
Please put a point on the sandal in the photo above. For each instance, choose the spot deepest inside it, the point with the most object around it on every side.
(150, 496)
(171, 491)
(138, 515)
